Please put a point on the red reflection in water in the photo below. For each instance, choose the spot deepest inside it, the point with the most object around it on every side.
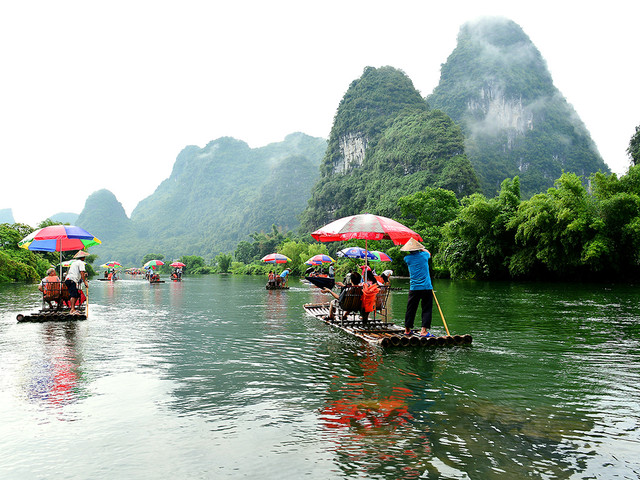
(371, 423)
(55, 378)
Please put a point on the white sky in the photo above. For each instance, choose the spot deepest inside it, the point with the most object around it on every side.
(106, 94)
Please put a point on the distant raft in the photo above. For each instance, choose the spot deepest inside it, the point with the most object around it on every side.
(273, 286)
(381, 333)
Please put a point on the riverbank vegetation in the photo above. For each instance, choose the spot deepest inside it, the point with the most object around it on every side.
(20, 265)
(570, 232)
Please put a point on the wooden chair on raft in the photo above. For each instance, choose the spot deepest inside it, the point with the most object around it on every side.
(55, 292)
(350, 304)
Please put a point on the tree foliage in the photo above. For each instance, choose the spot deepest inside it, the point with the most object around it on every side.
(565, 233)
(18, 264)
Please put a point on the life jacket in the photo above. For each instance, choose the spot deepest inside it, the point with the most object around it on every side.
(369, 293)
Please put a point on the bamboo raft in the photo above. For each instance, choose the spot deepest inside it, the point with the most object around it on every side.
(276, 287)
(54, 315)
(381, 332)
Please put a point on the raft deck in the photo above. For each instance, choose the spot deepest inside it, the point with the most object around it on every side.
(46, 315)
(380, 332)
(276, 287)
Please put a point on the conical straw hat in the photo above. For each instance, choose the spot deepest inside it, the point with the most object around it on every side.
(81, 254)
(412, 245)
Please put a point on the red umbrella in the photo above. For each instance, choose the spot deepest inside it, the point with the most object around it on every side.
(177, 264)
(365, 227)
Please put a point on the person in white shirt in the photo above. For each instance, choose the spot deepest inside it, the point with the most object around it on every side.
(75, 275)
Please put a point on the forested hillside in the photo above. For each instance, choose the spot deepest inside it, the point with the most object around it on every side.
(496, 85)
(386, 143)
(214, 197)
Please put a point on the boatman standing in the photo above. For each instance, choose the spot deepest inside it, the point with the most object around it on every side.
(75, 275)
(283, 277)
(420, 287)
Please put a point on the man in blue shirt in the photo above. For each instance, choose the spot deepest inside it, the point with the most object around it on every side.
(283, 277)
(420, 288)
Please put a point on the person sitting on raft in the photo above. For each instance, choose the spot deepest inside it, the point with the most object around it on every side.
(353, 278)
(50, 287)
(370, 291)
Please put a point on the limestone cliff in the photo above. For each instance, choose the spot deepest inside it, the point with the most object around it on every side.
(496, 85)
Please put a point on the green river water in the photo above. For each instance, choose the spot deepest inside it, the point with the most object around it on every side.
(215, 377)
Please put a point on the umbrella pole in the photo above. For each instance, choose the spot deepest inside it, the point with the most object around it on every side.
(366, 255)
(440, 310)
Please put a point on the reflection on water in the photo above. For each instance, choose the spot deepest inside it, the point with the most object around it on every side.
(217, 377)
(370, 422)
(56, 371)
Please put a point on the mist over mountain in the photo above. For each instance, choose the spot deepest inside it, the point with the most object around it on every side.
(497, 87)
(214, 197)
(385, 143)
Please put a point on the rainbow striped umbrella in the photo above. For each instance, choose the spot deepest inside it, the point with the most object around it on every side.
(275, 258)
(153, 264)
(111, 265)
(319, 260)
(58, 238)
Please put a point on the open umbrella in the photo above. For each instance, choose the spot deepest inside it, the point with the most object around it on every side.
(319, 260)
(365, 227)
(58, 238)
(355, 252)
(111, 265)
(153, 264)
(275, 258)
(380, 256)
(177, 264)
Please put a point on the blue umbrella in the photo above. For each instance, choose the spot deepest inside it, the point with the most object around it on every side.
(356, 252)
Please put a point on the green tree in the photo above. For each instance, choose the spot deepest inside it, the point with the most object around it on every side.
(18, 264)
(555, 228)
(224, 262)
(245, 252)
(479, 242)
(427, 212)
(192, 262)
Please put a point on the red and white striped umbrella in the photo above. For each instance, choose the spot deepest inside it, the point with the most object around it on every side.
(365, 227)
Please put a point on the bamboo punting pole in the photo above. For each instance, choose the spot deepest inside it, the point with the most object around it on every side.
(441, 315)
